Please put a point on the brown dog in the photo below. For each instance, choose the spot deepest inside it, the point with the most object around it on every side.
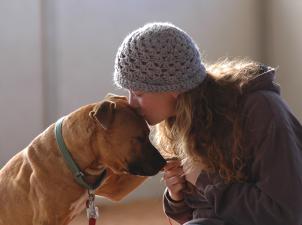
(36, 185)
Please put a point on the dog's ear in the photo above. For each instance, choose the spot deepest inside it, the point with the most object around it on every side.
(104, 114)
(113, 96)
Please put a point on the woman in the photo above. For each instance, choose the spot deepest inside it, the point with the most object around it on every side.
(234, 144)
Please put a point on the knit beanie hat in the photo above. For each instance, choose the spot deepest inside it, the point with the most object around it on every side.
(158, 57)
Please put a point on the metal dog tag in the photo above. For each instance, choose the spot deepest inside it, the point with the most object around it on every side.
(92, 211)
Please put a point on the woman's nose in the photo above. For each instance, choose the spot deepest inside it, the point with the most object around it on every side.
(132, 100)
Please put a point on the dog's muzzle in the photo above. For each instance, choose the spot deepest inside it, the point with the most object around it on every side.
(149, 164)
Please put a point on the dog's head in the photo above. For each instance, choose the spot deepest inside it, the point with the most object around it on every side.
(123, 139)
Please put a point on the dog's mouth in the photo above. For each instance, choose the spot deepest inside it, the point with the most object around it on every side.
(139, 169)
(147, 167)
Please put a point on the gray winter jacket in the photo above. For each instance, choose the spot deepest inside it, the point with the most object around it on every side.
(273, 193)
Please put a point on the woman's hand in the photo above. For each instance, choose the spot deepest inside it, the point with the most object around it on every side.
(193, 172)
(174, 179)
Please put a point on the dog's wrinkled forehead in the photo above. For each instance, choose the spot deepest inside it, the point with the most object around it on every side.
(123, 108)
(131, 115)
(123, 100)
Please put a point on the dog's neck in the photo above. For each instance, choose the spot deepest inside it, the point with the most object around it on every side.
(59, 187)
(79, 142)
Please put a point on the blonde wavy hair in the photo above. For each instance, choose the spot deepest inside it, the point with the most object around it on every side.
(207, 126)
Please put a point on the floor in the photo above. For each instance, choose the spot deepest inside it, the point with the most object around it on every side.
(146, 212)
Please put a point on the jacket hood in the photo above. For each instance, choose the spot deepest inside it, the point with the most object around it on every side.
(264, 81)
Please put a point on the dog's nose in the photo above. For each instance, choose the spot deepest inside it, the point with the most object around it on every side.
(149, 164)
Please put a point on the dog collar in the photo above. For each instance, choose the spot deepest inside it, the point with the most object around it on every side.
(78, 175)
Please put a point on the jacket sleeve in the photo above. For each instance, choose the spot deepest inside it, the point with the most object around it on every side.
(274, 196)
(178, 211)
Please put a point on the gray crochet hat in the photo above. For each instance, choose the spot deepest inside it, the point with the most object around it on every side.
(158, 57)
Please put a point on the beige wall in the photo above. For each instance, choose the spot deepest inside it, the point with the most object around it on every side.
(88, 34)
(58, 55)
(284, 48)
(20, 76)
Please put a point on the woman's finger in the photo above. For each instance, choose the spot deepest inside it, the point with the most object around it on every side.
(174, 180)
(172, 164)
(171, 173)
(178, 187)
